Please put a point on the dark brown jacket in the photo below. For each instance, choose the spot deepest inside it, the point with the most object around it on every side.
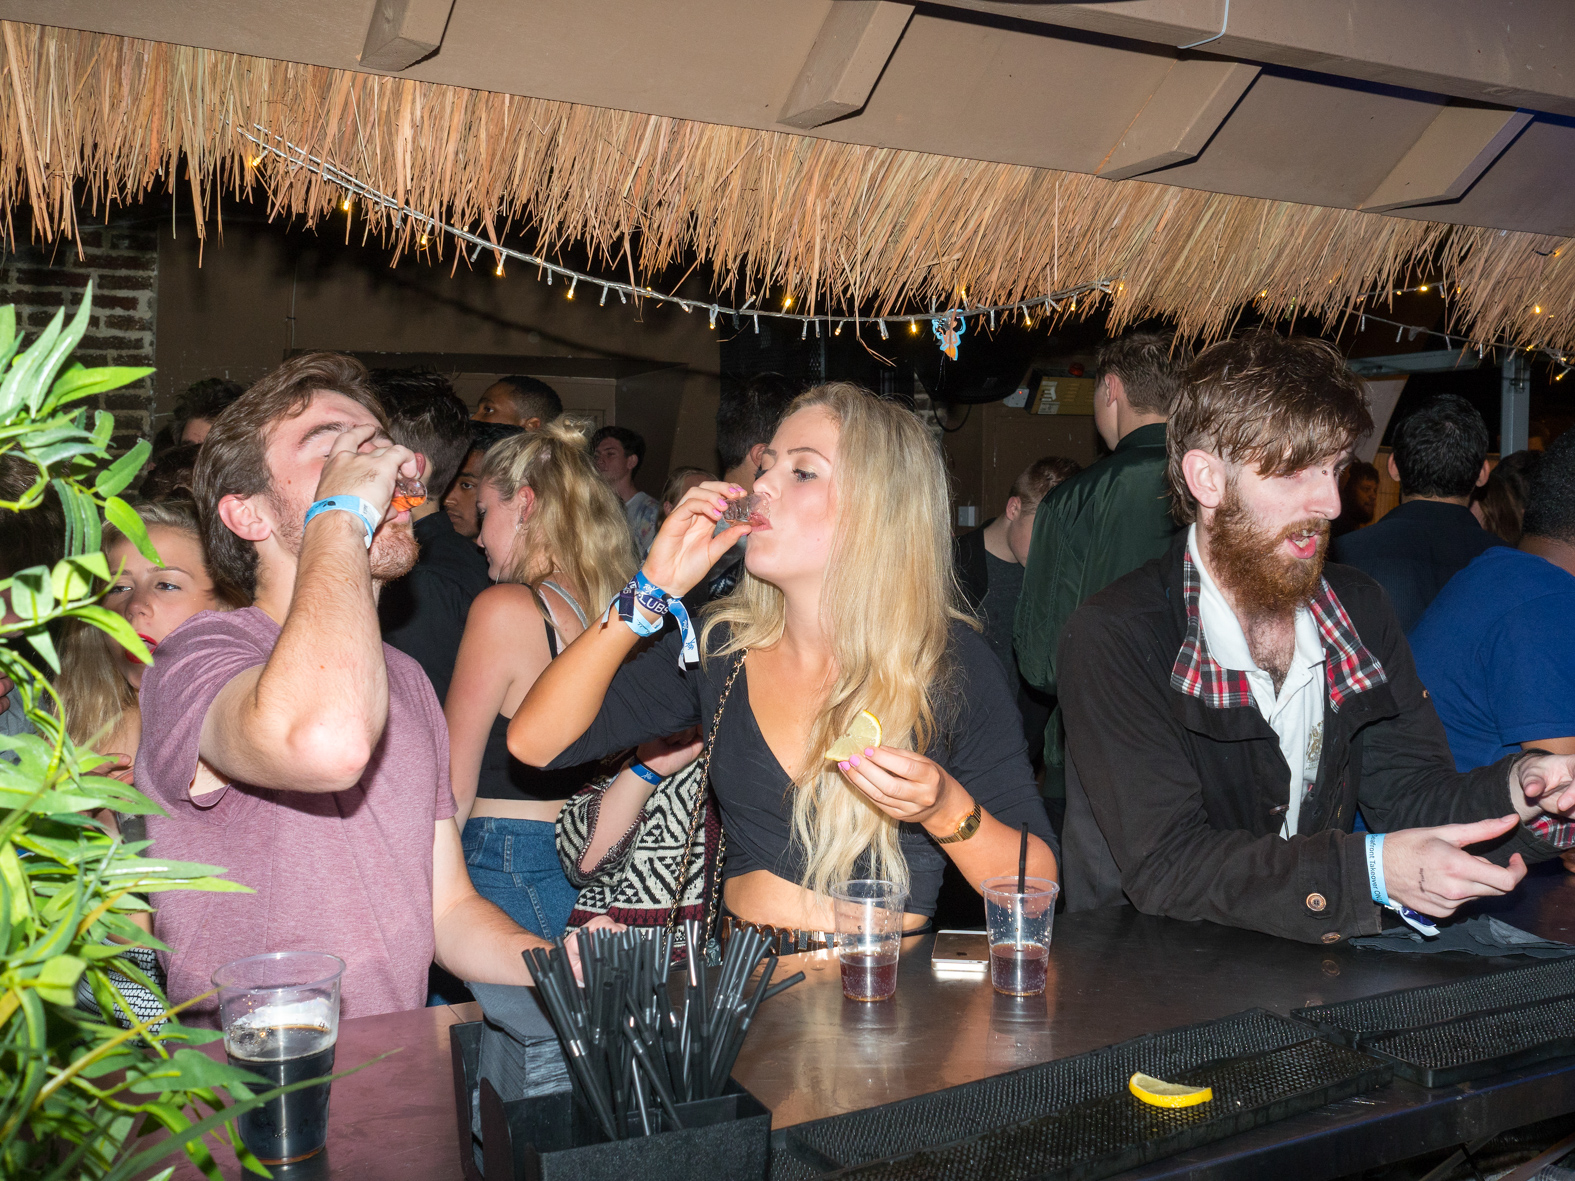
(1176, 806)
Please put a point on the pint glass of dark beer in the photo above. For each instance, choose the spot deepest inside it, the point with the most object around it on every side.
(280, 1014)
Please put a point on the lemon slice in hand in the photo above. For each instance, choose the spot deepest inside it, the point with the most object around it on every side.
(1158, 1093)
(863, 733)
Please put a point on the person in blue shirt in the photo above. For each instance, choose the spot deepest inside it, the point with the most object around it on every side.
(1496, 649)
(1439, 458)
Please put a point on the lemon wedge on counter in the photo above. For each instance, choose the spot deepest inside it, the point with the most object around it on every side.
(864, 732)
(1158, 1093)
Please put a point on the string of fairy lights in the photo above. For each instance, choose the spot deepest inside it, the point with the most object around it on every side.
(939, 318)
(951, 319)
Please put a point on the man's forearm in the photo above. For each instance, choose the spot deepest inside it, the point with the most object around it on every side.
(478, 942)
(325, 679)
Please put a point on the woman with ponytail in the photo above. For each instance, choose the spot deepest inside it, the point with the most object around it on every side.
(848, 605)
(558, 546)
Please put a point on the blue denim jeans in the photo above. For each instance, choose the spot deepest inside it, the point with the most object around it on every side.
(514, 863)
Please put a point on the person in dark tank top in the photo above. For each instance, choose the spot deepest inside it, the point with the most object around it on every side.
(556, 542)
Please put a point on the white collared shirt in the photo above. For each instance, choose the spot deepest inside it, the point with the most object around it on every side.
(1295, 714)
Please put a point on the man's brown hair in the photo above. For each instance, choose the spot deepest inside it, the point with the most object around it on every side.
(234, 457)
(1039, 477)
(1150, 366)
(1278, 403)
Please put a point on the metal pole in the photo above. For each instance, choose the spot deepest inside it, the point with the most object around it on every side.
(1514, 416)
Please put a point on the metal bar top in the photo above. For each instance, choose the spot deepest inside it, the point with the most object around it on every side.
(1114, 974)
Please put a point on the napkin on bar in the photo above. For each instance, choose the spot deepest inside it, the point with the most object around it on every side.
(1481, 935)
(520, 1054)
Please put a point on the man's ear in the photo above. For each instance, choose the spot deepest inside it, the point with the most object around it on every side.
(242, 518)
(757, 455)
(1115, 388)
(1482, 476)
(630, 462)
(1394, 468)
(1014, 508)
(1206, 476)
(532, 424)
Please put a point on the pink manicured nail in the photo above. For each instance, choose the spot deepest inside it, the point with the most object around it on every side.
(870, 751)
(854, 761)
(721, 503)
(843, 766)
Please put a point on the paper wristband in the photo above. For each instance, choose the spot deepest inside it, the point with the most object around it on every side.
(644, 594)
(1380, 888)
(354, 505)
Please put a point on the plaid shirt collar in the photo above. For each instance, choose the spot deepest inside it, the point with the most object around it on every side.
(1348, 666)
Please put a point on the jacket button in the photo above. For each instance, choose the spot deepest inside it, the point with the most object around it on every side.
(1331, 937)
(1316, 903)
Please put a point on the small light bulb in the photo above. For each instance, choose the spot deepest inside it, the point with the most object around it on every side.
(1423, 287)
(569, 294)
(913, 327)
(787, 301)
(1262, 293)
(499, 271)
(1536, 309)
(346, 205)
(254, 161)
(423, 239)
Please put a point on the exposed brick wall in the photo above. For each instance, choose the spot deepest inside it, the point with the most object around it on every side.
(123, 265)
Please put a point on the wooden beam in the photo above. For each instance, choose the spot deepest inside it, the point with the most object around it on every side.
(403, 32)
(1493, 51)
(1180, 117)
(1456, 148)
(850, 51)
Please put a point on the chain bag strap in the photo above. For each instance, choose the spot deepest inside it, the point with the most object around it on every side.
(712, 910)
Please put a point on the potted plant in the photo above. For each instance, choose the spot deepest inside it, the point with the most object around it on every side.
(78, 1093)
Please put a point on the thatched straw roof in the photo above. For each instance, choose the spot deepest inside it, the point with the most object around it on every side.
(91, 118)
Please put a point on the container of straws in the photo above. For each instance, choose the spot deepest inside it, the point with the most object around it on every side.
(650, 1058)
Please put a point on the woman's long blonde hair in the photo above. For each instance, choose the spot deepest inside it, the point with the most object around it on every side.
(576, 526)
(887, 603)
(93, 691)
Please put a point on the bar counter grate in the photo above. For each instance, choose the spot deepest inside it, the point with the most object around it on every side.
(1450, 1033)
(1074, 1118)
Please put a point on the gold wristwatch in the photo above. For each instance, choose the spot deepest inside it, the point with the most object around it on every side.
(966, 827)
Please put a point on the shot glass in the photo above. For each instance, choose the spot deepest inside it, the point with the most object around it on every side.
(746, 510)
(869, 936)
(1019, 923)
(409, 493)
(280, 1016)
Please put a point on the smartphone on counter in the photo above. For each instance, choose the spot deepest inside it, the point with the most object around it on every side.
(961, 952)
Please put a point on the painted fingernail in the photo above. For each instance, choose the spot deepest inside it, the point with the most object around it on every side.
(870, 751)
(854, 760)
(842, 766)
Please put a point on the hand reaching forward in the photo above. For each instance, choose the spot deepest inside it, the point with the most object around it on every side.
(1428, 869)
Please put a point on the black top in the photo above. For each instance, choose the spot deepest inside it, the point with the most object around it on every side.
(981, 746)
(1413, 550)
(423, 613)
(503, 777)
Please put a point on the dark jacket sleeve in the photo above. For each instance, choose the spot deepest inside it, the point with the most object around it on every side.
(1042, 609)
(1130, 751)
(1408, 774)
(649, 697)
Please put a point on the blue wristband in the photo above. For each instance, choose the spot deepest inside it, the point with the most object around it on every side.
(643, 594)
(1380, 889)
(354, 505)
(646, 774)
(1375, 868)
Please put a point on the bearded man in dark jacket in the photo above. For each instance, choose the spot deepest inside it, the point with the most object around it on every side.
(1229, 705)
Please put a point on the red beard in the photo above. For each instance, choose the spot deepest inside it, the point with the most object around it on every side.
(1251, 565)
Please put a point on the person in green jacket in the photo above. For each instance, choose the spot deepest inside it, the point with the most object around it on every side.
(1103, 522)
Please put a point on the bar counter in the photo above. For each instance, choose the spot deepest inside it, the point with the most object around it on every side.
(1114, 974)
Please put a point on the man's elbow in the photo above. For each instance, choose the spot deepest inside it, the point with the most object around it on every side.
(328, 758)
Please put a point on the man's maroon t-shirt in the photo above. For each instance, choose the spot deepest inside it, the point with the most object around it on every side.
(347, 872)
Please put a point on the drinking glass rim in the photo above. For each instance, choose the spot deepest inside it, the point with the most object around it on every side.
(1047, 886)
(842, 892)
(276, 956)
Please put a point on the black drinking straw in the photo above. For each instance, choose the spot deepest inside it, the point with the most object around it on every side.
(1022, 862)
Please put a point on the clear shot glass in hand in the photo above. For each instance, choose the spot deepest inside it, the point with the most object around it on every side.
(280, 1015)
(746, 510)
(869, 936)
(409, 493)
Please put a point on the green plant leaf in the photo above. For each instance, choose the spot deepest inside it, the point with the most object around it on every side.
(119, 630)
(120, 473)
(124, 517)
(57, 979)
(190, 1069)
(77, 382)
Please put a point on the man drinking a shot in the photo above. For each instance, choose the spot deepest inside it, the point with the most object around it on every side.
(1230, 704)
(285, 741)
